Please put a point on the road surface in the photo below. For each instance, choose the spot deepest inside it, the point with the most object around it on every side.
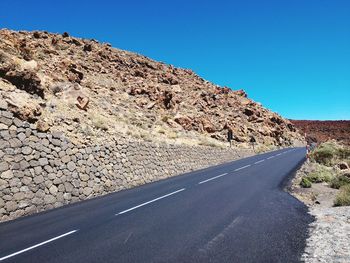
(234, 212)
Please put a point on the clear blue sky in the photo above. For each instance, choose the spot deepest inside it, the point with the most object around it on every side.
(293, 56)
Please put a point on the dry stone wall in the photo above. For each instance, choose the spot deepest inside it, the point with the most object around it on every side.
(40, 171)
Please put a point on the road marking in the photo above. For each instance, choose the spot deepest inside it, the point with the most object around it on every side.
(212, 178)
(278, 154)
(242, 167)
(271, 157)
(151, 201)
(219, 237)
(37, 245)
(126, 240)
(260, 161)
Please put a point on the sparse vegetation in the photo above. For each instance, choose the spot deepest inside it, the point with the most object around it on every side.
(343, 197)
(56, 89)
(165, 118)
(339, 181)
(261, 148)
(210, 142)
(161, 131)
(86, 130)
(329, 153)
(173, 135)
(326, 159)
(324, 154)
(305, 183)
(99, 122)
(344, 153)
(320, 175)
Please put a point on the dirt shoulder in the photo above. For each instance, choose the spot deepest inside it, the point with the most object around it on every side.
(329, 234)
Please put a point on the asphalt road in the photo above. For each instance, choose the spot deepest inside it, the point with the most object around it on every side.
(234, 212)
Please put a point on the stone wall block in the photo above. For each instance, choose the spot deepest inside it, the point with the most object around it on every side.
(40, 171)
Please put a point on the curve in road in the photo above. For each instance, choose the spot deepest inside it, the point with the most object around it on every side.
(234, 212)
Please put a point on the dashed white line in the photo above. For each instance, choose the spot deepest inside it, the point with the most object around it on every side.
(212, 178)
(278, 154)
(242, 167)
(151, 201)
(268, 158)
(37, 245)
(260, 161)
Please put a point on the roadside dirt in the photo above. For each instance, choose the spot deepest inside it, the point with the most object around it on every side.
(329, 235)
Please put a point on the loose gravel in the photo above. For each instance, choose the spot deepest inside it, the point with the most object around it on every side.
(329, 234)
(329, 238)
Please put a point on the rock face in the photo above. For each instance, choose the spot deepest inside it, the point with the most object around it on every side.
(39, 171)
(321, 131)
(92, 91)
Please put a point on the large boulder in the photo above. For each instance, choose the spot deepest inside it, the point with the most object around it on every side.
(21, 73)
(23, 105)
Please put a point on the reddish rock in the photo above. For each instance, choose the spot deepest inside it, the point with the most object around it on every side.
(184, 121)
(42, 126)
(67, 71)
(241, 93)
(22, 79)
(82, 102)
(321, 131)
(208, 126)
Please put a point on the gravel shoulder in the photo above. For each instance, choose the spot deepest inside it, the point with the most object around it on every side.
(329, 234)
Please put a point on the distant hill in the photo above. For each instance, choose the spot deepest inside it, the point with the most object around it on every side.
(92, 91)
(320, 131)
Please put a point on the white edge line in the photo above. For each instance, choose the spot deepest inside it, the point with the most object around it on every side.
(242, 168)
(151, 201)
(260, 161)
(270, 157)
(37, 245)
(212, 178)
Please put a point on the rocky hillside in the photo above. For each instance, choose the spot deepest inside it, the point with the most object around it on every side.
(92, 91)
(321, 131)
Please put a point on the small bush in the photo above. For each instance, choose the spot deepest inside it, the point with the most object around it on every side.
(173, 135)
(320, 176)
(161, 131)
(99, 122)
(344, 153)
(339, 181)
(264, 148)
(330, 152)
(343, 197)
(305, 183)
(165, 118)
(209, 142)
(56, 89)
(323, 155)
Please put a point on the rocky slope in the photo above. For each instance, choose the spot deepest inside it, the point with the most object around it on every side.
(321, 131)
(92, 91)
